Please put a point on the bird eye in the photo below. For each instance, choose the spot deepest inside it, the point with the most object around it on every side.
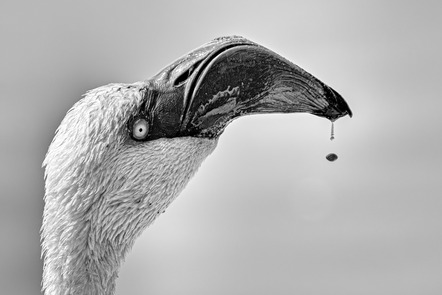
(140, 129)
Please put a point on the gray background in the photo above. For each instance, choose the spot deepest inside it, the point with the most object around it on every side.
(266, 214)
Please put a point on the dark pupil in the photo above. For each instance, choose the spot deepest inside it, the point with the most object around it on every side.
(140, 130)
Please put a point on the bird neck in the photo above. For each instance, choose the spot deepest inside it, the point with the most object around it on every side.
(79, 263)
(94, 210)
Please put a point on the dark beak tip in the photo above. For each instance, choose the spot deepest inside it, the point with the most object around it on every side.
(339, 107)
(341, 111)
(345, 109)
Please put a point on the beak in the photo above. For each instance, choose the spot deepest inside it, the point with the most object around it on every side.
(230, 77)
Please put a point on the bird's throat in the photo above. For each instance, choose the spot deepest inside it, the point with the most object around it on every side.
(91, 219)
(81, 264)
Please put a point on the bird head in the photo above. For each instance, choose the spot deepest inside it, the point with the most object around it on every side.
(124, 152)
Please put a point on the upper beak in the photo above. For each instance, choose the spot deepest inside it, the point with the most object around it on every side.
(201, 93)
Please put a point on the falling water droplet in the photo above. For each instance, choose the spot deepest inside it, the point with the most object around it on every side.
(331, 157)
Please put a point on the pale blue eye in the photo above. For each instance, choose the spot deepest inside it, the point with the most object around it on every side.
(140, 129)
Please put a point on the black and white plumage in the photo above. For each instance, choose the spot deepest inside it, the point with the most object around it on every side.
(124, 152)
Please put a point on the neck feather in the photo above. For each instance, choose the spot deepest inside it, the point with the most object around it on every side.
(93, 215)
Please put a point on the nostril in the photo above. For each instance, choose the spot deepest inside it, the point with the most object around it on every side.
(183, 77)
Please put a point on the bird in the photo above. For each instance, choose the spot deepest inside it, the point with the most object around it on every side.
(124, 152)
